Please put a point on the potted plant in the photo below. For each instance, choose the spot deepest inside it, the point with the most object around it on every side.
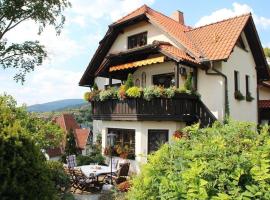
(238, 95)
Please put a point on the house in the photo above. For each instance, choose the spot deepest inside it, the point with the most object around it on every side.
(83, 136)
(224, 59)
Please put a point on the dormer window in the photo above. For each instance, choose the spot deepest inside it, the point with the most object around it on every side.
(137, 40)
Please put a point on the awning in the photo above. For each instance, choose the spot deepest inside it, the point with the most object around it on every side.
(138, 63)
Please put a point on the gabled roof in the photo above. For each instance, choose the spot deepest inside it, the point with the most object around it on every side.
(207, 43)
(217, 40)
(66, 122)
(81, 136)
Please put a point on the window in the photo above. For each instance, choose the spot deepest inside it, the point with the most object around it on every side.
(143, 80)
(137, 40)
(240, 43)
(156, 138)
(124, 142)
(165, 80)
(236, 81)
(247, 85)
(137, 82)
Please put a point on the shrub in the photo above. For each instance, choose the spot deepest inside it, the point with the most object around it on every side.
(169, 92)
(23, 171)
(148, 93)
(249, 97)
(92, 158)
(105, 94)
(188, 83)
(129, 83)
(86, 96)
(95, 87)
(122, 92)
(238, 95)
(229, 161)
(134, 92)
(59, 177)
(158, 91)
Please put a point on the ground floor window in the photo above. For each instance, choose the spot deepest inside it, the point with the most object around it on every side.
(123, 143)
(156, 138)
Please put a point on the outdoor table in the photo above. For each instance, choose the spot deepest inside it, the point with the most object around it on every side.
(97, 170)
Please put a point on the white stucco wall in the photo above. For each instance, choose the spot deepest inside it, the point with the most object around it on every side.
(243, 62)
(155, 69)
(153, 33)
(141, 133)
(264, 93)
(211, 89)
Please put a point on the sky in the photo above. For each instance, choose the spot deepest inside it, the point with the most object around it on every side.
(86, 24)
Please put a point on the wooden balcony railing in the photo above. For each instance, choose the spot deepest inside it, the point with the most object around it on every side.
(182, 107)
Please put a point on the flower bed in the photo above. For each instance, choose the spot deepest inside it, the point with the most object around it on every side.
(147, 93)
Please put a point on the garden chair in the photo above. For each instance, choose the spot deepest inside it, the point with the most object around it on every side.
(71, 161)
(82, 182)
(121, 175)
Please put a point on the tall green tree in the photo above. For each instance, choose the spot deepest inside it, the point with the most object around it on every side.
(44, 133)
(71, 144)
(23, 169)
(267, 52)
(26, 56)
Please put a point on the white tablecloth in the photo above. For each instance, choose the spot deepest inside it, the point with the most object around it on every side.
(97, 170)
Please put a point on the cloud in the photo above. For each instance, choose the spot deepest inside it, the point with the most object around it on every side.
(85, 24)
(236, 10)
(44, 85)
(110, 9)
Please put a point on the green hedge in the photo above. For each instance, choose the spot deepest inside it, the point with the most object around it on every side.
(23, 170)
(229, 161)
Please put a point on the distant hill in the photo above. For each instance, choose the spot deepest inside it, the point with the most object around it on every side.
(56, 105)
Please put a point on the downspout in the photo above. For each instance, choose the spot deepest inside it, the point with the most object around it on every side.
(226, 100)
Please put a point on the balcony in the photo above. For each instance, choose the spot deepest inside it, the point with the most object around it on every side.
(182, 107)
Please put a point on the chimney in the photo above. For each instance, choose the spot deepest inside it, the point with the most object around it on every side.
(178, 16)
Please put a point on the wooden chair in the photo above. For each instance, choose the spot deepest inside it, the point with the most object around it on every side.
(121, 175)
(82, 182)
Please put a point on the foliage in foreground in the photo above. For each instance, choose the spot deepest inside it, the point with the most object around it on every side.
(223, 162)
(17, 120)
(23, 169)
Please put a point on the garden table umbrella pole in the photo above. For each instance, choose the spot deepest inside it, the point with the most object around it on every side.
(111, 137)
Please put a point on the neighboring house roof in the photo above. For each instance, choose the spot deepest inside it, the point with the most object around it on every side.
(264, 104)
(203, 44)
(81, 136)
(66, 122)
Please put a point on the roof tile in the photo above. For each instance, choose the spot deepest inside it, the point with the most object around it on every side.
(81, 136)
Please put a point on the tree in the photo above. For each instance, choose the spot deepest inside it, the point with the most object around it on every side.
(23, 170)
(230, 161)
(71, 144)
(26, 56)
(45, 134)
(267, 52)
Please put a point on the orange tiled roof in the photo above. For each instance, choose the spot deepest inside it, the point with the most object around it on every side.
(172, 27)
(66, 122)
(214, 41)
(177, 53)
(81, 136)
(217, 40)
(264, 104)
